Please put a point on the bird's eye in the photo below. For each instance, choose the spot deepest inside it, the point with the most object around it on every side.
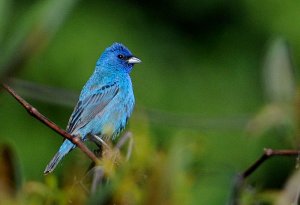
(120, 56)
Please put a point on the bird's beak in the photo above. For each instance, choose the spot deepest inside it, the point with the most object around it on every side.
(133, 60)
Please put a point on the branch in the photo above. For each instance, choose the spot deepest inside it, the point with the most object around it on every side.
(267, 154)
(35, 113)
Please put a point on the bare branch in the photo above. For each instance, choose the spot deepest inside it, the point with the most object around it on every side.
(268, 153)
(35, 113)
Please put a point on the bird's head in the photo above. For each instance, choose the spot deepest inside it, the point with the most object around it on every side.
(117, 58)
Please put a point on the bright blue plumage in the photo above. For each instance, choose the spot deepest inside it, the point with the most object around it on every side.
(106, 100)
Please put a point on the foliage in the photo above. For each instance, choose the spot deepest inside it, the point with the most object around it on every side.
(216, 86)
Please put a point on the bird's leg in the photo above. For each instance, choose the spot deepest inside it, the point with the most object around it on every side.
(126, 137)
(98, 141)
(97, 173)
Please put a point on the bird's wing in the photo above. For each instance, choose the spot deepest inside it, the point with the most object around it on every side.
(92, 105)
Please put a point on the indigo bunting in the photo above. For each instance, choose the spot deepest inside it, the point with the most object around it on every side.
(105, 102)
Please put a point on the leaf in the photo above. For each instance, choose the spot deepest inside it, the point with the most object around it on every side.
(278, 73)
(9, 174)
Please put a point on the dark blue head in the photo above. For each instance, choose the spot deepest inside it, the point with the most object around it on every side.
(117, 58)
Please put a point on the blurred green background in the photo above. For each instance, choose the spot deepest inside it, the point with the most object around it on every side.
(217, 85)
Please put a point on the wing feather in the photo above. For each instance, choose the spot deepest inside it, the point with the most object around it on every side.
(92, 105)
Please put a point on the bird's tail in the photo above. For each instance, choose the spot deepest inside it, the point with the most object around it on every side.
(64, 149)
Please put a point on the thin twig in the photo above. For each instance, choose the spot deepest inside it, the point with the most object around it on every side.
(97, 179)
(35, 113)
(267, 154)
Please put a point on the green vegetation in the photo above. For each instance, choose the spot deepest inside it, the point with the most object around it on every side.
(216, 86)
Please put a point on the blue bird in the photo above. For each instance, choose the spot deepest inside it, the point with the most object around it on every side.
(105, 102)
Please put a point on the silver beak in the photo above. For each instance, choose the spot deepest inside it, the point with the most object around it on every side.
(134, 60)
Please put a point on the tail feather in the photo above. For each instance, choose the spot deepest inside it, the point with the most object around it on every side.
(53, 163)
(64, 149)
